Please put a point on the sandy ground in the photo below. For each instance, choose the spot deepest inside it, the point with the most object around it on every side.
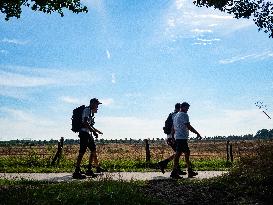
(125, 176)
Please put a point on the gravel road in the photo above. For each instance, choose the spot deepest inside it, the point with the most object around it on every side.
(125, 176)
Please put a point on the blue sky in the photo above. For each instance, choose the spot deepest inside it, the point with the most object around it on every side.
(139, 58)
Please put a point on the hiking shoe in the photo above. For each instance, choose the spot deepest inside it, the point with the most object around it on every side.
(90, 173)
(162, 166)
(180, 172)
(100, 169)
(192, 174)
(175, 175)
(78, 175)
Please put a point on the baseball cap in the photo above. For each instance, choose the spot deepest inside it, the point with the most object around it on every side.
(95, 101)
(185, 104)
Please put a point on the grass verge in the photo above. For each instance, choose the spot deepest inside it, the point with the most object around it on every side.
(25, 164)
(77, 192)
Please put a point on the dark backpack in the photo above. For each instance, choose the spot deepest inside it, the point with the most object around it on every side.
(168, 124)
(77, 118)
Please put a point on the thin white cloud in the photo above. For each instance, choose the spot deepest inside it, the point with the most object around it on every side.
(256, 56)
(179, 4)
(108, 54)
(201, 31)
(17, 115)
(16, 93)
(130, 127)
(212, 25)
(2, 51)
(213, 16)
(171, 23)
(134, 95)
(14, 41)
(233, 122)
(70, 100)
(113, 76)
(30, 125)
(107, 101)
(184, 20)
(208, 40)
(18, 80)
(204, 42)
(15, 76)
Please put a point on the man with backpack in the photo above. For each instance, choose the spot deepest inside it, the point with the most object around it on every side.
(182, 126)
(86, 132)
(170, 140)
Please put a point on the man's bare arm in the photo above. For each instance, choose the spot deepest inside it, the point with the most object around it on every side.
(193, 130)
(96, 130)
(87, 125)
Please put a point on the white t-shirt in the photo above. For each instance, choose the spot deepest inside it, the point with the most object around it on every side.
(90, 118)
(179, 123)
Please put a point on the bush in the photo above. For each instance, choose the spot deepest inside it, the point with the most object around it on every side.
(256, 165)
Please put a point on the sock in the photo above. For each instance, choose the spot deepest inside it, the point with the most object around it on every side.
(77, 169)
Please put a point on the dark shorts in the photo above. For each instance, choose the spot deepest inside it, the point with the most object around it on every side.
(86, 140)
(171, 142)
(182, 145)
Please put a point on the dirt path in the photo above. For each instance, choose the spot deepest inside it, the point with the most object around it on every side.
(126, 176)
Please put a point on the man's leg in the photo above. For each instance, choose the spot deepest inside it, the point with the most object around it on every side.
(187, 159)
(176, 160)
(77, 173)
(94, 158)
(79, 160)
(83, 145)
(178, 152)
(174, 173)
(191, 173)
(89, 171)
(164, 163)
(180, 172)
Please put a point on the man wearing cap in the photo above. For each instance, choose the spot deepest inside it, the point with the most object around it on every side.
(181, 126)
(86, 140)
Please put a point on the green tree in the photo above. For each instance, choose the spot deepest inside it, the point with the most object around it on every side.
(13, 8)
(261, 11)
(264, 134)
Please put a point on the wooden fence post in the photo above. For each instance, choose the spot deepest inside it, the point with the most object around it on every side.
(227, 150)
(59, 152)
(230, 153)
(147, 148)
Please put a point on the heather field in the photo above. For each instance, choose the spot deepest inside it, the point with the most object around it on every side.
(206, 155)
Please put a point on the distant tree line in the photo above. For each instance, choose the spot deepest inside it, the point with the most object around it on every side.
(261, 134)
